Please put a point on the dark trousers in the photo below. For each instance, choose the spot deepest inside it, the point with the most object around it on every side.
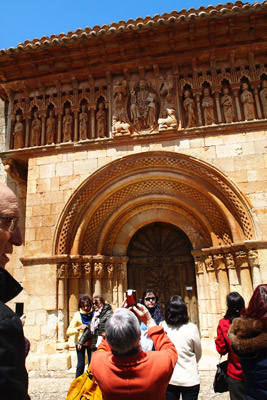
(188, 392)
(236, 389)
(81, 359)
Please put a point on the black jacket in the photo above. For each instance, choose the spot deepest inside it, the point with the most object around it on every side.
(104, 315)
(13, 374)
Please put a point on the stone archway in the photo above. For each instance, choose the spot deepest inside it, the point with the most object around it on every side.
(159, 257)
(114, 203)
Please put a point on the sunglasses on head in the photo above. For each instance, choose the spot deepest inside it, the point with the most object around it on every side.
(150, 298)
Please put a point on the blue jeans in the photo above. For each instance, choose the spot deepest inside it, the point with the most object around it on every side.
(188, 392)
(81, 359)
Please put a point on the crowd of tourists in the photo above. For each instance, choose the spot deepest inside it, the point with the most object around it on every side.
(137, 351)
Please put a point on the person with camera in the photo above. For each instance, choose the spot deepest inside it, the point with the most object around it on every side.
(120, 366)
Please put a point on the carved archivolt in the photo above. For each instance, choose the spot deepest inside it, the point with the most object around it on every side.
(186, 183)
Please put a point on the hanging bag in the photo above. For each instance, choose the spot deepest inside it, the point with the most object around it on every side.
(220, 384)
(85, 387)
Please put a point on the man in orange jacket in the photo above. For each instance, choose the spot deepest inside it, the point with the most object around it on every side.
(122, 369)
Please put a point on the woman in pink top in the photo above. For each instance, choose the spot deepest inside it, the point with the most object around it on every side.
(235, 303)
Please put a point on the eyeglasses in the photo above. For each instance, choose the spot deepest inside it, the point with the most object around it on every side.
(12, 223)
(150, 298)
(95, 303)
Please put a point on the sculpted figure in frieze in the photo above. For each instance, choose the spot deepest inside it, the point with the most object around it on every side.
(36, 129)
(83, 121)
(143, 106)
(50, 128)
(119, 94)
(189, 107)
(101, 121)
(248, 102)
(169, 122)
(227, 106)
(208, 107)
(67, 125)
(18, 133)
(263, 97)
(119, 127)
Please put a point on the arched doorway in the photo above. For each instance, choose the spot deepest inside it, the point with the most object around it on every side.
(160, 258)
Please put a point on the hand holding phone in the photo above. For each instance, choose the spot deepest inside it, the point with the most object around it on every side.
(131, 297)
(19, 309)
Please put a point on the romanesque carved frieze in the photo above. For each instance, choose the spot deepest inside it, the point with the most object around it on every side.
(81, 111)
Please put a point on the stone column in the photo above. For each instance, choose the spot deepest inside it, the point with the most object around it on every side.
(200, 280)
(237, 105)
(222, 277)
(233, 278)
(245, 278)
(257, 101)
(92, 122)
(88, 273)
(59, 126)
(110, 272)
(218, 106)
(27, 135)
(255, 267)
(98, 275)
(62, 274)
(199, 115)
(76, 133)
(121, 275)
(43, 131)
(10, 120)
(212, 296)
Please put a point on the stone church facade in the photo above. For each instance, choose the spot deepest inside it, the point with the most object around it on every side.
(138, 152)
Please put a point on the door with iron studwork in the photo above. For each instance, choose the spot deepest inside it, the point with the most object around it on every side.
(160, 258)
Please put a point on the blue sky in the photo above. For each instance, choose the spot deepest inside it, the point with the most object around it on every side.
(28, 19)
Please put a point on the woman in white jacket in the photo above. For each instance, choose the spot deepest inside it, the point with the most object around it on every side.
(185, 379)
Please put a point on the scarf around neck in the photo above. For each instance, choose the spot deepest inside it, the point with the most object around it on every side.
(95, 320)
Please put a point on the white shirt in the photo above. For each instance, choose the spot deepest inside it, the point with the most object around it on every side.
(187, 343)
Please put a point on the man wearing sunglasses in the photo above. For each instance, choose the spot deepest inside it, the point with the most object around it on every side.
(13, 374)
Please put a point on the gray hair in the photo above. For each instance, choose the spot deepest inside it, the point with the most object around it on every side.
(122, 330)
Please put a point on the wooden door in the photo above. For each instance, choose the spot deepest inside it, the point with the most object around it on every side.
(160, 258)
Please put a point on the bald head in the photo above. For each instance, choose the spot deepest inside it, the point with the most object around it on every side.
(9, 214)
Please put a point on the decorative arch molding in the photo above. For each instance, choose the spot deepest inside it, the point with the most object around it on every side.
(194, 189)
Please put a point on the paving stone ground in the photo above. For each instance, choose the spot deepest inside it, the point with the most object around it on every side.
(56, 389)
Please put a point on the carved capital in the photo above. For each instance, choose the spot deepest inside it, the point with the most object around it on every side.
(209, 263)
(88, 269)
(120, 270)
(219, 262)
(75, 270)
(230, 262)
(98, 270)
(241, 259)
(253, 258)
(62, 271)
(110, 270)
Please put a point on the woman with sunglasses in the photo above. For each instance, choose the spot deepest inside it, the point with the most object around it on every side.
(79, 324)
(150, 300)
(102, 311)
